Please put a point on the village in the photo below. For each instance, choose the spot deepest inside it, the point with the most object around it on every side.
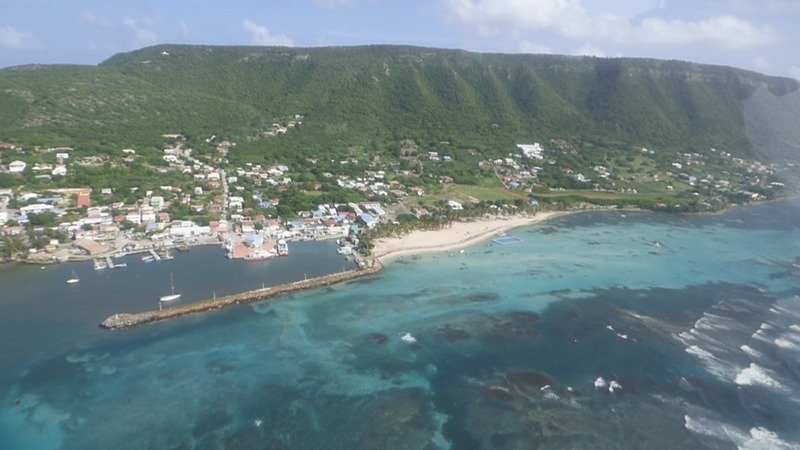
(244, 207)
(69, 224)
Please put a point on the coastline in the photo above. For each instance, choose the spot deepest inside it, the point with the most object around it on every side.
(456, 236)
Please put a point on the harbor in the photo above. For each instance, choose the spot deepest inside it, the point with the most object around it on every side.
(122, 321)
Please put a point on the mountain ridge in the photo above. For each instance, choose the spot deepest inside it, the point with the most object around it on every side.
(371, 95)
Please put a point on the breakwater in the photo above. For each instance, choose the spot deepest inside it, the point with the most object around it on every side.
(129, 320)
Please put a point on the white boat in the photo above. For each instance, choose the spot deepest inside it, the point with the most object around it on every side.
(74, 278)
(408, 339)
(283, 248)
(172, 295)
(259, 255)
(99, 264)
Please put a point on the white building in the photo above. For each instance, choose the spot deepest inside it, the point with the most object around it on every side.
(36, 208)
(157, 202)
(532, 151)
(189, 231)
(454, 205)
(17, 166)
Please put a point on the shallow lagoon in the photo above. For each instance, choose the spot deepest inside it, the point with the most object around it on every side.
(694, 317)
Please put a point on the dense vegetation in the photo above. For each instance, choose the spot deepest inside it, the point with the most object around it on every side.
(358, 110)
(367, 97)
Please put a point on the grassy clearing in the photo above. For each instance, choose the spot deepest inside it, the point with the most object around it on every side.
(468, 193)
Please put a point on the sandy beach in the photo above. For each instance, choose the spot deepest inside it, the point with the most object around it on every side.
(456, 236)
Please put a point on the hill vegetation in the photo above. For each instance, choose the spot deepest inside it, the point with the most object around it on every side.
(378, 101)
(369, 95)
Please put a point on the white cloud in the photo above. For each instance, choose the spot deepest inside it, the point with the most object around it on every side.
(772, 6)
(14, 39)
(261, 36)
(783, 5)
(762, 64)
(724, 31)
(142, 33)
(571, 19)
(794, 72)
(589, 49)
(531, 47)
(93, 19)
(334, 4)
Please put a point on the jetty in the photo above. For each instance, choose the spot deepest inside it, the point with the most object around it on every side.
(109, 262)
(155, 255)
(130, 320)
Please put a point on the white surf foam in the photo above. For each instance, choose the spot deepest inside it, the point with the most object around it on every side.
(714, 365)
(760, 335)
(713, 428)
(751, 352)
(762, 438)
(756, 375)
(787, 344)
(699, 352)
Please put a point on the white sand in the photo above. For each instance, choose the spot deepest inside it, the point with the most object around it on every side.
(456, 236)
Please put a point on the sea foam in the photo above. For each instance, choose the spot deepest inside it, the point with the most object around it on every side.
(762, 438)
(756, 375)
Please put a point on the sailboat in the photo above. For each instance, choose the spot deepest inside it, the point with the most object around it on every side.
(74, 278)
(172, 295)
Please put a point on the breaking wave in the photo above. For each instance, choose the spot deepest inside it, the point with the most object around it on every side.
(756, 375)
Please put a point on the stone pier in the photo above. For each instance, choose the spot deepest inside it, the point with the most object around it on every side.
(124, 321)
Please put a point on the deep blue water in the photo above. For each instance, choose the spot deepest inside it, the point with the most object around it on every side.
(696, 318)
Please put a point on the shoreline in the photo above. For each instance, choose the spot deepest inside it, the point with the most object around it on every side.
(457, 235)
(384, 255)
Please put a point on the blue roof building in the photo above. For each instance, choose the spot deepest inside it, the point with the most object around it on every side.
(367, 219)
(253, 240)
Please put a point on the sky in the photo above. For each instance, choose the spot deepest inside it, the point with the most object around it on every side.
(760, 35)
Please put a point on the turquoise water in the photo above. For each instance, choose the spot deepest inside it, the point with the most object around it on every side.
(694, 318)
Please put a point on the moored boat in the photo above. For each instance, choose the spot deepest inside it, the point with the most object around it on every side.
(259, 255)
(172, 295)
(283, 248)
(74, 278)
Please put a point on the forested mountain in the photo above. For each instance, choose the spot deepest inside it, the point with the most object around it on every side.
(374, 95)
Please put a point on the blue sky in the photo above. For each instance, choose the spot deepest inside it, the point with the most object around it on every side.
(761, 35)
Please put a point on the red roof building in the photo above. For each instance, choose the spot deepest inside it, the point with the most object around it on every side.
(84, 199)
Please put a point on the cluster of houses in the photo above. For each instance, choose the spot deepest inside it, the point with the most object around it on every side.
(519, 170)
(337, 219)
(55, 166)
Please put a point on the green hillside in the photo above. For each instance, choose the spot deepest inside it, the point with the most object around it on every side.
(386, 107)
(373, 95)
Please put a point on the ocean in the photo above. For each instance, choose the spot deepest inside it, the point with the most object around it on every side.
(600, 330)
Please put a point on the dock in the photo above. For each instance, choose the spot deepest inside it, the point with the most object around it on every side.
(110, 262)
(125, 320)
(155, 255)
